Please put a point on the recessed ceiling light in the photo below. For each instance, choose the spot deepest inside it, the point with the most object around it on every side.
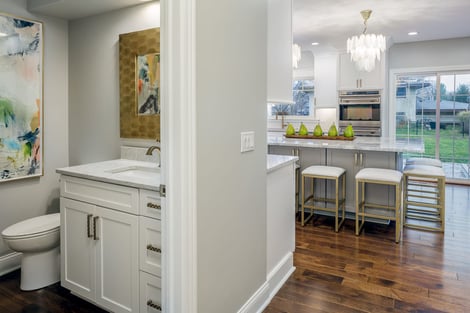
(412, 33)
(315, 43)
(3, 34)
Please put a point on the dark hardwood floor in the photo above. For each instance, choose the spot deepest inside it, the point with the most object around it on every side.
(52, 299)
(426, 272)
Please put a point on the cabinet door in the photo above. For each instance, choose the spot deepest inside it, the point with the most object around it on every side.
(351, 78)
(349, 160)
(77, 248)
(117, 271)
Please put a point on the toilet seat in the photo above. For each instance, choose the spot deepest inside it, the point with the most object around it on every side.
(33, 227)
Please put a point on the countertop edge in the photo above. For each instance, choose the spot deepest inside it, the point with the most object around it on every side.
(275, 162)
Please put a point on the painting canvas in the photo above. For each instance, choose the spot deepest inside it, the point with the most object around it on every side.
(21, 98)
(148, 84)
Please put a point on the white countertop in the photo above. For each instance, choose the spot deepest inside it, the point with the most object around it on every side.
(275, 161)
(359, 143)
(102, 171)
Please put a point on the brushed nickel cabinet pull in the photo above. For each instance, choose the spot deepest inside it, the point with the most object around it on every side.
(154, 206)
(95, 221)
(154, 305)
(154, 249)
(88, 225)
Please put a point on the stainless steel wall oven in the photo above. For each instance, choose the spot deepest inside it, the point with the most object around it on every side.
(361, 109)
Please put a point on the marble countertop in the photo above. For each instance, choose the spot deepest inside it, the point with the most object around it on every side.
(359, 143)
(275, 161)
(103, 171)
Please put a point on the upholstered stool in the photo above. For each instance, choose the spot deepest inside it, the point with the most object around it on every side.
(424, 161)
(312, 202)
(424, 197)
(383, 177)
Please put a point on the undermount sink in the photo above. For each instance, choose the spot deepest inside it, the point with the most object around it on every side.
(135, 171)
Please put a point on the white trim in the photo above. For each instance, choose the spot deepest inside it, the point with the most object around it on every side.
(10, 262)
(280, 274)
(257, 302)
(275, 280)
(178, 130)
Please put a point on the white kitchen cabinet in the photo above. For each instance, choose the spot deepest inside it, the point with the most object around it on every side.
(351, 78)
(99, 243)
(355, 160)
(279, 53)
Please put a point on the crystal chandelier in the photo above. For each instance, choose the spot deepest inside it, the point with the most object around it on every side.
(366, 48)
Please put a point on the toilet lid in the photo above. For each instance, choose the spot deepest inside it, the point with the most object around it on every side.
(32, 226)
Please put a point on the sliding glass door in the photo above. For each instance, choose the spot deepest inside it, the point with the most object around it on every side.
(435, 108)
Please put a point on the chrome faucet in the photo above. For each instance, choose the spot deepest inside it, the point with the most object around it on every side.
(150, 152)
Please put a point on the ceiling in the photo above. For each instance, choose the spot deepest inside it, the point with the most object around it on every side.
(330, 23)
(74, 9)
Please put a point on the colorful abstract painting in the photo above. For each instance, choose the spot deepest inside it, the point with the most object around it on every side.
(21, 98)
(148, 84)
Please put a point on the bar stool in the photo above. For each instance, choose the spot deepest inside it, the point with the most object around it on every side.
(383, 177)
(331, 173)
(424, 161)
(424, 197)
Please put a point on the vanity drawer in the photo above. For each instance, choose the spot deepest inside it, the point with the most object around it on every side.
(150, 293)
(150, 204)
(150, 245)
(112, 196)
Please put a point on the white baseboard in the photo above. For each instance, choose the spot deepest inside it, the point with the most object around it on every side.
(256, 303)
(276, 278)
(9, 262)
(279, 275)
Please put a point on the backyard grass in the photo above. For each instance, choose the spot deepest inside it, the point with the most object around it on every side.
(453, 146)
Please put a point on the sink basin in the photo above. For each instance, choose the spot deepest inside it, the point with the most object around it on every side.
(135, 172)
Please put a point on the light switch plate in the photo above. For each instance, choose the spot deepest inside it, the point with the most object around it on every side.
(247, 141)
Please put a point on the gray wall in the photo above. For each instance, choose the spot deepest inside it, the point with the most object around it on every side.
(231, 187)
(94, 80)
(435, 53)
(31, 197)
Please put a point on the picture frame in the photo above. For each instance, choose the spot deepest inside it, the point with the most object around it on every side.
(135, 47)
(21, 98)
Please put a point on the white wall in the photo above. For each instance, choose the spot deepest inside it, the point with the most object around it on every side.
(430, 54)
(94, 80)
(31, 197)
(231, 187)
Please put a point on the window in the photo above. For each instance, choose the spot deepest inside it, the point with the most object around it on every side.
(303, 91)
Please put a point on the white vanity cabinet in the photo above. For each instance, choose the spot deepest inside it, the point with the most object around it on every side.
(150, 251)
(109, 249)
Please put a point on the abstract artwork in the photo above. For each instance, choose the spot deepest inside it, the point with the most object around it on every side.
(139, 84)
(147, 84)
(21, 98)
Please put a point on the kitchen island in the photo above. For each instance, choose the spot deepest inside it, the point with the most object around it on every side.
(352, 155)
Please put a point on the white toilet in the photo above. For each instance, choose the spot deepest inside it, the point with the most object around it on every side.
(38, 239)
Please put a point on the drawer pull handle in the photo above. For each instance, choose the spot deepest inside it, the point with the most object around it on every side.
(154, 249)
(154, 206)
(154, 305)
(95, 221)
(88, 225)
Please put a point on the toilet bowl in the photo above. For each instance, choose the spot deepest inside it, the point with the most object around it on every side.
(38, 240)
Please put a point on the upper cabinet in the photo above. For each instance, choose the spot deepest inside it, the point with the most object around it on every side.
(351, 78)
(279, 54)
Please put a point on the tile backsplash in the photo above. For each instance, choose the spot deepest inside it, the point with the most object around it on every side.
(138, 154)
